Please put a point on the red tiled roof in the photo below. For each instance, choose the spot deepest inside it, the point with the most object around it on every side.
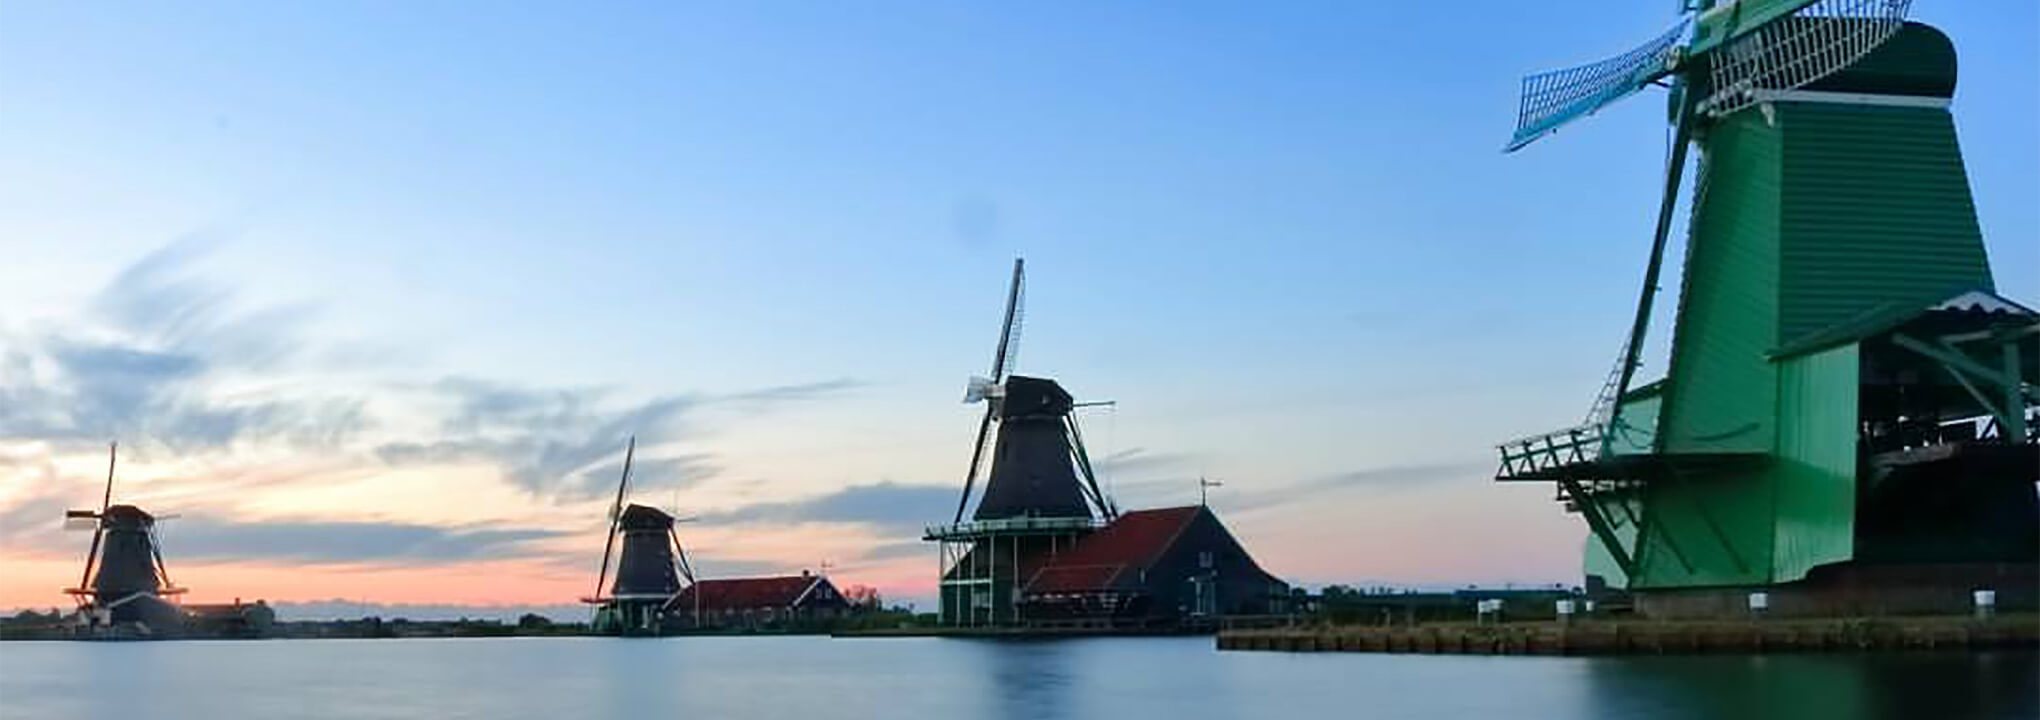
(747, 593)
(1132, 542)
(1068, 579)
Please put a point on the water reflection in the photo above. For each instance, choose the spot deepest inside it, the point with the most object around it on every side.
(1028, 679)
(1899, 686)
(805, 678)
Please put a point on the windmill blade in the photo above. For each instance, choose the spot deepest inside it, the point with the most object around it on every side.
(1009, 331)
(1083, 458)
(112, 455)
(615, 516)
(81, 520)
(686, 570)
(680, 561)
(1787, 53)
(156, 549)
(977, 457)
(979, 389)
(1675, 168)
(105, 501)
(1552, 99)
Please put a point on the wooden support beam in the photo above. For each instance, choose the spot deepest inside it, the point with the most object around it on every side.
(1955, 360)
(1599, 524)
(2010, 413)
(2015, 402)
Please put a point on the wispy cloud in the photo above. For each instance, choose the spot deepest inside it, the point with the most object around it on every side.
(145, 363)
(563, 443)
(171, 364)
(762, 398)
(212, 538)
(546, 440)
(1380, 480)
(890, 508)
(1138, 461)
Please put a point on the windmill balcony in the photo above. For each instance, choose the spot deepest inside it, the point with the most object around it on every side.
(1546, 456)
(1012, 526)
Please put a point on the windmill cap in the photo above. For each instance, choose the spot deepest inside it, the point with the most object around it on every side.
(645, 517)
(1918, 61)
(128, 514)
(1027, 396)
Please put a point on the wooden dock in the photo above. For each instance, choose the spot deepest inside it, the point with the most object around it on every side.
(1641, 637)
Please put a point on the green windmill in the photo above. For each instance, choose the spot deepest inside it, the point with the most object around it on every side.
(1846, 422)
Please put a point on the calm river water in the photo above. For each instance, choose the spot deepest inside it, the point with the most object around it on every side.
(807, 678)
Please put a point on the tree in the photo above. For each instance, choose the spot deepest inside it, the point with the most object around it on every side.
(1333, 593)
(863, 597)
(534, 621)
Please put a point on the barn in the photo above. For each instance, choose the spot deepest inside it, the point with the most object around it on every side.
(1164, 568)
(757, 603)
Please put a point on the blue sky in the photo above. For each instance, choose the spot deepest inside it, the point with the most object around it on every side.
(1284, 239)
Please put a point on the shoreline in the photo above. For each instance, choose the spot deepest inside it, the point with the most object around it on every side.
(1645, 637)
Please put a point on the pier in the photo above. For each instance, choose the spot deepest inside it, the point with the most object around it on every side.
(1642, 637)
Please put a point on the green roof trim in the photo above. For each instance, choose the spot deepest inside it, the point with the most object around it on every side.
(1650, 390)
(1889, 316)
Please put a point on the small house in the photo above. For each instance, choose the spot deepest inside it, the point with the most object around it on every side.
(782, 602)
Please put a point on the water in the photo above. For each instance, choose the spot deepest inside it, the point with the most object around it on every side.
(811, 677)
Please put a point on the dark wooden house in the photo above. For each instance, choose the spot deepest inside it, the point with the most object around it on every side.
(1165, 568)
(783, 602)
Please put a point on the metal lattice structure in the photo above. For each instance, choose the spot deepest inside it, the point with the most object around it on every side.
(1551, 99)
(1791, 53)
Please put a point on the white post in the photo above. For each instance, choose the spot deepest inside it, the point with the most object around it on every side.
(1986, 603)
(1565, 611)
(1488, 610)
(1760, 603)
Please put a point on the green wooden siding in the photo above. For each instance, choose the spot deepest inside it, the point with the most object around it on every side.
(1876, 209)
(1639, 431)
(1720, 522)
(1597, 560)
(1720, 389)
(1815, 475)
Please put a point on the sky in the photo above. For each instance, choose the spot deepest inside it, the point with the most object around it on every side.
(373, 293)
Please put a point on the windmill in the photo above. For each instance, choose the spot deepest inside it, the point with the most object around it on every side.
(1830, 214)
(1040, 491)
(651, 569)
(1743, 54)
(125, 580)
(1040, 467)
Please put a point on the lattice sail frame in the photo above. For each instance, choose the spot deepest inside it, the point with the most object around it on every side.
(1552, 99)
(1793, 52)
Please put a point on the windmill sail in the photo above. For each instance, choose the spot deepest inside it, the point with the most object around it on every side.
(1551, 99)
(990, 390)
(1792, 52)
(615, 516)
(99, 519)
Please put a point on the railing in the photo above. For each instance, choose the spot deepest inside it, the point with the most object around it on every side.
(1539, 454)
(1012, 525)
